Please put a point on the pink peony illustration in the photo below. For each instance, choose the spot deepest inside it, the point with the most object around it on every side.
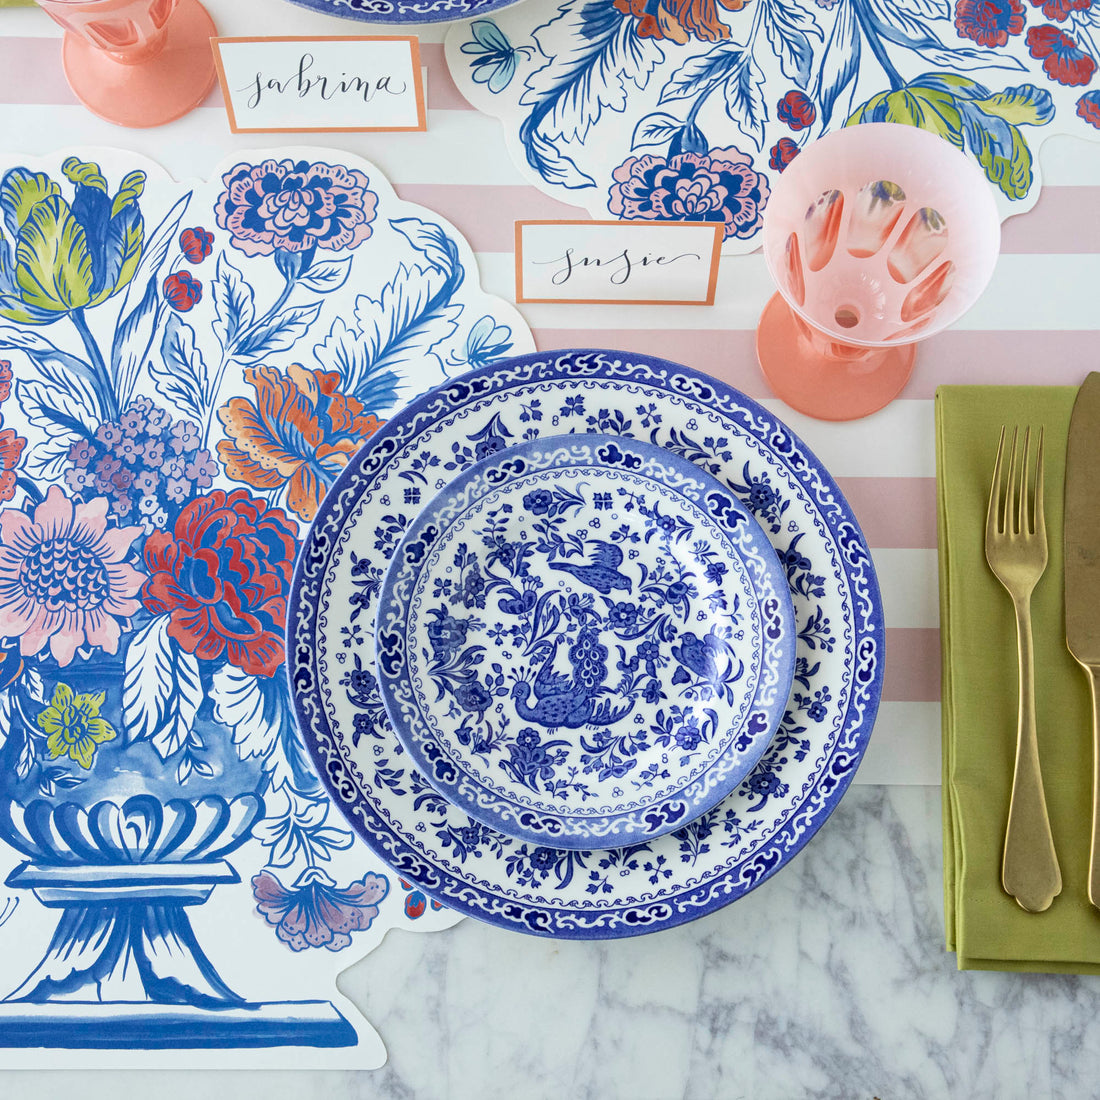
(719, 186)
(63, 577)
(295, 206)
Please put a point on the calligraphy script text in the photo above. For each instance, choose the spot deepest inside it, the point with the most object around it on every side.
(618, 267)
(304, 84)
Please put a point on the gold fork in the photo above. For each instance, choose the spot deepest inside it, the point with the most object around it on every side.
(1016, 549)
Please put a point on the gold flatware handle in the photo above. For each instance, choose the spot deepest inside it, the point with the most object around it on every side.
(1094, 848)
(1030, 871)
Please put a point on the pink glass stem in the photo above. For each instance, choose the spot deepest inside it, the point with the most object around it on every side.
(136, 62)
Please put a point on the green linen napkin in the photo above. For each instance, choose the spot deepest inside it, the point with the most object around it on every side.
(985, 926)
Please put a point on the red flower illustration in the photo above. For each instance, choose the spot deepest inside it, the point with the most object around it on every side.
(1063, 60)
(182, 290)
(11, 449)
(416, 901)
(223, 574)
(316, 912)
(300, 432)
(1088, 108)
(11, 444)
(796, 110)
(1059, 10)
(782, 153)
(679, 20)
(197, 244)
(989, 22)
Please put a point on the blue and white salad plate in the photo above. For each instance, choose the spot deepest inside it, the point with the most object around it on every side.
(404, 11)
(540, 888)
(585, 641)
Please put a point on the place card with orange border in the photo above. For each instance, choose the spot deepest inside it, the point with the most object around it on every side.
(332, 85)
(618, 262)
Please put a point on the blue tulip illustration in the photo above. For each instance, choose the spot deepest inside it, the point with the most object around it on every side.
(59, 258)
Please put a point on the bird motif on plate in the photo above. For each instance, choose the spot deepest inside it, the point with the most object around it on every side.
(602, 573)
(570, 701)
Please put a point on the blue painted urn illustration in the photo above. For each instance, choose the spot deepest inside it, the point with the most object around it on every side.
(182, 379)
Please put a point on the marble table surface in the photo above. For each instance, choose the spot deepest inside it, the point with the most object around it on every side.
(830, 980)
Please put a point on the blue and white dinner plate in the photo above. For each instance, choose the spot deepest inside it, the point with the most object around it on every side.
(404, 11)
(585, 641)
(540, 889)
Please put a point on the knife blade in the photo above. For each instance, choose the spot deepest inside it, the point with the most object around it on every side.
(1082, 575)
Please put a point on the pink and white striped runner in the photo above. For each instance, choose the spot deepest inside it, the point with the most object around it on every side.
(1037, 322)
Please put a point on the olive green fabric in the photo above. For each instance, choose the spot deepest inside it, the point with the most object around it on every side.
(985, 926)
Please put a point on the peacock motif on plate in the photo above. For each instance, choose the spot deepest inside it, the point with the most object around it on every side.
(548, 614)
(523, 884)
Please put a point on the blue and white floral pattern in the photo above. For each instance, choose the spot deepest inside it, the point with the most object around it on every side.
(585, 641)
(725, 852)
(186, 370)
(404, 11)
(674, 110)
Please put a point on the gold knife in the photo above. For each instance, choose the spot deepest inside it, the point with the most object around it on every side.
(1082, 552)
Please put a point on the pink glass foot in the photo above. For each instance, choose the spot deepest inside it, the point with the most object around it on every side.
(160, 87)
(830, 381)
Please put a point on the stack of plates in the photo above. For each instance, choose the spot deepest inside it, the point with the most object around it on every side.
(586, 644)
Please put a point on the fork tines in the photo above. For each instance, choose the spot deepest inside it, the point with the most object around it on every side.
(1009, 511)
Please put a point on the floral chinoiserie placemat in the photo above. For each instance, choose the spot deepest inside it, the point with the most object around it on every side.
(674, 110)
(185, 371)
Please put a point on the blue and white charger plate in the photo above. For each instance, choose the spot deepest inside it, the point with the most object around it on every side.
(539, 889)
(585, 641)
(404, 11)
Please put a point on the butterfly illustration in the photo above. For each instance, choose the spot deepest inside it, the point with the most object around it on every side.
(497, 64)
(486, 343)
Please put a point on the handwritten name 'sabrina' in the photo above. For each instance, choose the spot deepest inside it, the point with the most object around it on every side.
(618, 267)
(304, 84)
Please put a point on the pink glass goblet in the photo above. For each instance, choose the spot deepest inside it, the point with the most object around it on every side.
(877, 236)
(136, 62)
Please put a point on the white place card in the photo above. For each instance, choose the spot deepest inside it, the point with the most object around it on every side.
(615, 262)
(321, 85)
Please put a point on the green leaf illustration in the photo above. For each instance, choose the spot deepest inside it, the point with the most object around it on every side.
(971, 118)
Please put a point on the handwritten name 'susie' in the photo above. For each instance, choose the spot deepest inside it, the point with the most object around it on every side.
(618, 267)
(324, 86)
